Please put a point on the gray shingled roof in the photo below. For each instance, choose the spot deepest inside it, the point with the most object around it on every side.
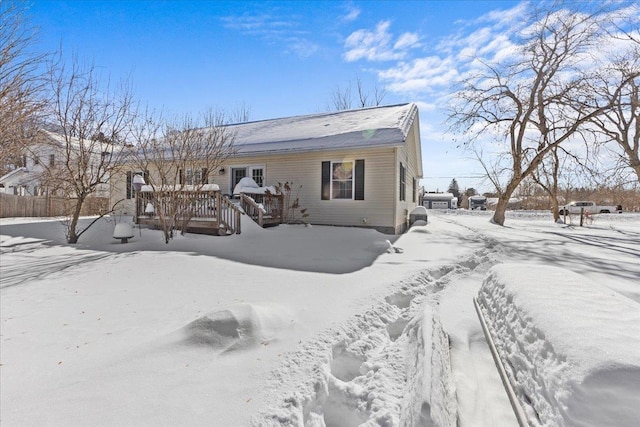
(366, 127)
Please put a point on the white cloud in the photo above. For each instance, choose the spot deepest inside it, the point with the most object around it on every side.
(274, 30)
(303, 48)
(423, 75)
(352, 14)
(407, 41)
(260, 25)
(377, 45)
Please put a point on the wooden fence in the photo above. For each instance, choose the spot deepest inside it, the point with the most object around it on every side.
(44, 206)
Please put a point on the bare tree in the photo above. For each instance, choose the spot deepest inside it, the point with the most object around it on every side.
(342, 99)
(621, 123)
(178, 158)
(91, 123)
(20, 84)
(241, 114)
(534, 100)
(547, 177)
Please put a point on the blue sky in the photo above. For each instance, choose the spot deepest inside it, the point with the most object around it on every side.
(284, 58)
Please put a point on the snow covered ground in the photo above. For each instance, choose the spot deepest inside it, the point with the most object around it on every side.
(285, 326)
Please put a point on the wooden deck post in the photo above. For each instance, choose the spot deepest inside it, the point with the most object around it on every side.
(217, 211)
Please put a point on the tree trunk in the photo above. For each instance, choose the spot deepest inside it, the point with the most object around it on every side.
(501, 207)
(72, 233)
(554, 207)
(503, 200)
(636, 168)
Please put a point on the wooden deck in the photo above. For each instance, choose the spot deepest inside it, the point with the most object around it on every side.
(204, 212)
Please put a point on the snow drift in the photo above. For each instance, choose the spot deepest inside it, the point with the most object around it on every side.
(569, 345)
(238, 327)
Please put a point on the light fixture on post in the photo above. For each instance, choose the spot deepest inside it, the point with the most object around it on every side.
(138, 182)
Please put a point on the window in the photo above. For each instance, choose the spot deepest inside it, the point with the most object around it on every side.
(191, 176)
(403, 183)
(342, 180)
(52, 160)
(258, 176)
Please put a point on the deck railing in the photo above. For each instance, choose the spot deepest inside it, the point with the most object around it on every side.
(228, 214)
(265, 209)
(192, 209)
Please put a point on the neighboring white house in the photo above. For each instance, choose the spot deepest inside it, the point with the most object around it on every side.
(439, 201)
(25, 180)
(355, 168)
(18, 182)
(44, 154)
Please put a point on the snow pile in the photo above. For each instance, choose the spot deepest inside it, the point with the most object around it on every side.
(570, 346)
(238, 327)
(248, 185)
(432, 393)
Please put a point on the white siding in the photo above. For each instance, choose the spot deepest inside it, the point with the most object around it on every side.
(408, 155)
(306, 170)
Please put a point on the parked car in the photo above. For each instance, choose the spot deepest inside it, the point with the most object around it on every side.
(588, 207)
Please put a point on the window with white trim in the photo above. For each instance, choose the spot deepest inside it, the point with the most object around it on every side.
(193, 176)
(342, 180)
(258, 176)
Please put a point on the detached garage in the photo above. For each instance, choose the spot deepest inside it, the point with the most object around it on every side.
(439, 201)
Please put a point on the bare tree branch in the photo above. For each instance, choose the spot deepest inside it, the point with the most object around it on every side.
(179, 156)
(92, 123)
(535, 100)
(20, 84)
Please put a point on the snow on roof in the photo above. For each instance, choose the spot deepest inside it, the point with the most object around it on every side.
(60, 140)
(13, 172)
(365, 127)
(438, 196)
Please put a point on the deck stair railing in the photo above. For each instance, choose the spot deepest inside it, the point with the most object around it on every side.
(228, 214)
(265, 209)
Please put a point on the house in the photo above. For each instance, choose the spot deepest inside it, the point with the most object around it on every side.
(439, 201)
(19, 182)
(39, 162)
(25, 180)
(348, 168)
